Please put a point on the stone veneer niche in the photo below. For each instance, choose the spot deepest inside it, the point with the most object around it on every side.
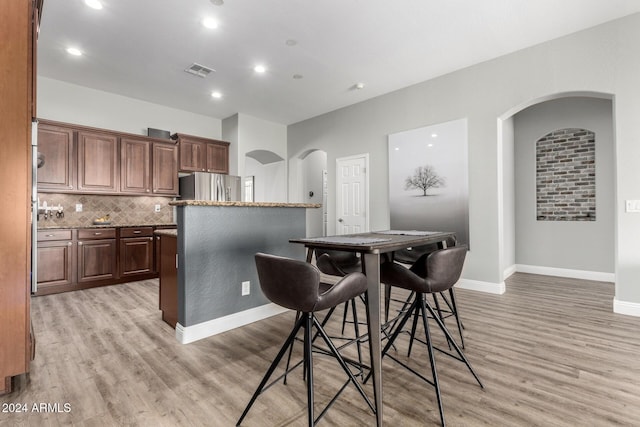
(566, 176)
(123, 210)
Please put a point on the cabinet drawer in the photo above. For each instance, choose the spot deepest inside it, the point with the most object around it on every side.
(96, 233)
(47, 235)
(136, 232)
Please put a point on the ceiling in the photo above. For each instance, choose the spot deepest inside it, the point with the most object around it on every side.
(140, 48)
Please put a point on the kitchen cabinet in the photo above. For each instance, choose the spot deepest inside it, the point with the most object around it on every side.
(218, 157)
(165, 169)
(56, 251)
(136, 251)
(148, 167)
(98, 162)
(97, 255)
(56, 143)
(202, 154)
(135, 164)
(168, 273)
(18, 33)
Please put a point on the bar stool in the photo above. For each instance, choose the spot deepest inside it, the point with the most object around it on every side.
(442, 270)
(296, 285)
(416, 259)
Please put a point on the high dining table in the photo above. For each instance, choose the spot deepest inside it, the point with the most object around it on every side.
(371, 245)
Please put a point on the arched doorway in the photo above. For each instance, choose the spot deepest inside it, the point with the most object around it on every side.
(531, 244)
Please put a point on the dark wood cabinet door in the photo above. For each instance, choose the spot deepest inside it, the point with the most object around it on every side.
(168, 279)
(165, 169)
(98, 162)
(136, 256)
(218, 157)
(135, 164)
(55, 264)
(55, 143)
(192, 155)
(97, 260)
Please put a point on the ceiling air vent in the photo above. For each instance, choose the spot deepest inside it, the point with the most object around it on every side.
(199, 70)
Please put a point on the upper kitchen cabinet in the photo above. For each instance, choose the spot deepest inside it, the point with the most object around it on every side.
(218, 157)
(148, 167)
(165, 169)
(135, 163)
(98, 162)
(202, 154)
(57, 145)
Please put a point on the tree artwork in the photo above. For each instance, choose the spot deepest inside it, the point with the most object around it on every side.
(424, 178)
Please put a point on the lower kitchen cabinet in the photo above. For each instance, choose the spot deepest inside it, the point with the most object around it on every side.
(56, 253)
(72, 259)
(136, 251)
(97, 255)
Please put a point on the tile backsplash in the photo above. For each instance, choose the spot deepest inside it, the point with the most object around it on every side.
(123, 210)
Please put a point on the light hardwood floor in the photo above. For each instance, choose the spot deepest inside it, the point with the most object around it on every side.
(550, 353)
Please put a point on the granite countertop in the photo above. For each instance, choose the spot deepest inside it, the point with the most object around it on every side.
(167, 232)
(112, 225)
(244, 204)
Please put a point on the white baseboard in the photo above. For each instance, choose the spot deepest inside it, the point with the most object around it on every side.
(509, 271)
(188, 334)
(565, 272)
(477, 285)
(626, 307)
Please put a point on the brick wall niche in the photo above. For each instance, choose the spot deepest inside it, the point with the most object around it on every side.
(566, 176)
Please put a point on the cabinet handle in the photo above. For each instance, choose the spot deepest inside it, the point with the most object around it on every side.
(69, 243)
(150, 238)
(48, 235)
(97, 234)
(71, 186)
(79, 243)
(147, 190)
(137, 232)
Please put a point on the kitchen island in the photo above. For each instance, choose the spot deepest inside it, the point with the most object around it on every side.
(217, 242)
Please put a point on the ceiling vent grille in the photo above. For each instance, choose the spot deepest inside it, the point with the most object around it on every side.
(199, 70)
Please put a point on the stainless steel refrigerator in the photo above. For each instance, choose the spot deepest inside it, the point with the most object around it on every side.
(210, 186)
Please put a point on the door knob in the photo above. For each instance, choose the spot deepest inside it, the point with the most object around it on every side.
(340, 220)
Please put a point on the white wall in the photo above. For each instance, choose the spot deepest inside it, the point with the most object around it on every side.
(312, 166)
(249, 134)
(65, 102)
(603, 59)
(506, 203)
(577, 245)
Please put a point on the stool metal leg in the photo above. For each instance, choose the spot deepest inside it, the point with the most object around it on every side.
(432, 359)
(308, 358)
(273, 367)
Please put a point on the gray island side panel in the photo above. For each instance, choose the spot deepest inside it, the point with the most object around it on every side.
(216, 249)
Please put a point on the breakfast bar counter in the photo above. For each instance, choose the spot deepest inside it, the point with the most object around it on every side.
(218, 286)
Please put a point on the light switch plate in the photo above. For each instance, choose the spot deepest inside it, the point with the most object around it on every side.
(246, 288)
(157, 208)
(632, 206)
(78, 207)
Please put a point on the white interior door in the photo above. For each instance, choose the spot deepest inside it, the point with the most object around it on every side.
(352, 195)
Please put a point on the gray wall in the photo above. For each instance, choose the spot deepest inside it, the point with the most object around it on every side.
(602, 60)
(216, 249)
(578, 245)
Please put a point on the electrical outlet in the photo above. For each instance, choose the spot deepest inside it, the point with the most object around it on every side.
(157, 208)
(246, 288)
(78, 207)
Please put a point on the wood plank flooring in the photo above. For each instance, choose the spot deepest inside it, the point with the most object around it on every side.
(550, 353)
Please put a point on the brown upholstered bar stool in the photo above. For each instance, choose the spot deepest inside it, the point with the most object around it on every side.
(296, 285)
(442, 270)
(416, 259)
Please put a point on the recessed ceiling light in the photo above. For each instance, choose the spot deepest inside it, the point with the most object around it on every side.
(434, 135)
(359, 86)
(291, 42)
(210, 23)
(94, 4)
(259, 69)
(298, 76)
(74, 51)
(215, 94)
(429, 145)
(217, 2)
